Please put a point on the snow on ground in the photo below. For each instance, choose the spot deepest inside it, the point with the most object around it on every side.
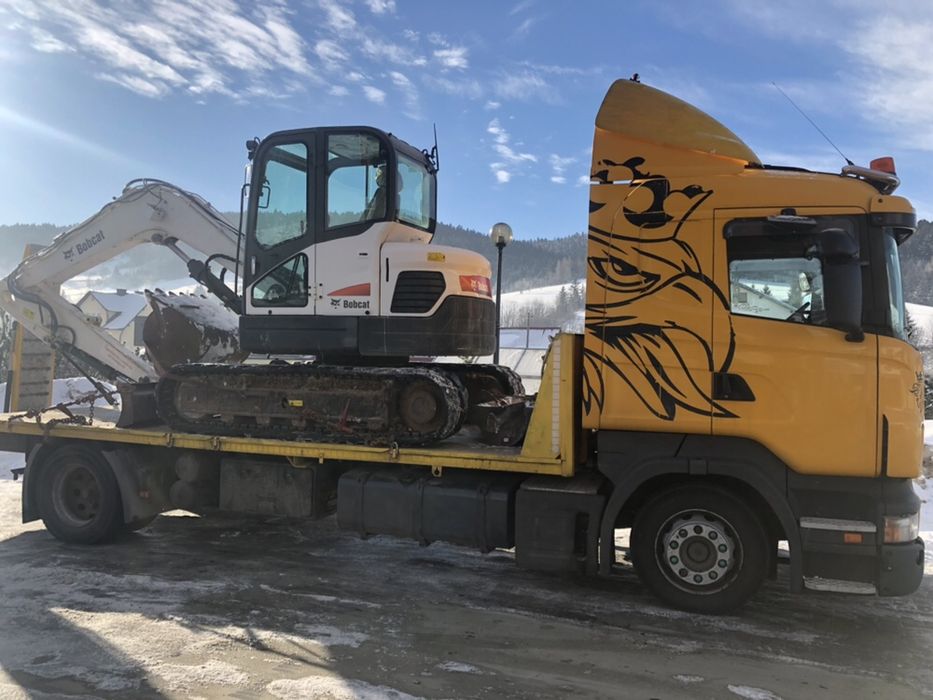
(514, 302)
(71, 389)
(538, 295)
(10, 461)
(922, 317)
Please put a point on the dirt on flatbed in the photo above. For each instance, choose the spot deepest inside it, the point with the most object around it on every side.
(239, 607)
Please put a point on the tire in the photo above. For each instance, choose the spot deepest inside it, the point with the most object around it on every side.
(78, 496)
(700, 548)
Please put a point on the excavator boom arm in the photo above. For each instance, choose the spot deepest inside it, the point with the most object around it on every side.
(148, 211)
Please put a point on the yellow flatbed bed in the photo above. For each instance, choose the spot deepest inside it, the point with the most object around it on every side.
(549, 446)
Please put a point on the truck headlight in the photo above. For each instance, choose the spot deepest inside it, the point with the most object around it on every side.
(901, 528)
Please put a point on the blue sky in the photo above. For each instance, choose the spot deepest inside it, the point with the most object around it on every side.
(95, 93)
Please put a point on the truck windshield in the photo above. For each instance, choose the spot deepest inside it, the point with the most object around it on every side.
(895, 288)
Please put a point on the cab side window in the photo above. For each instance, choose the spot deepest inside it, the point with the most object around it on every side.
(357, 187)
(777, 277)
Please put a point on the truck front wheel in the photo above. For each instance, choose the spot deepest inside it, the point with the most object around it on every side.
(78, 496)
(700, 548)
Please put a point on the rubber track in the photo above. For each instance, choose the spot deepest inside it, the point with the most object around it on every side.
(392, 380)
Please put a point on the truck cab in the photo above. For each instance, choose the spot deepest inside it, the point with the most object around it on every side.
(747, 323)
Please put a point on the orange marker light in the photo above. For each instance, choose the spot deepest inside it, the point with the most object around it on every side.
(852, 538)
(885, 165)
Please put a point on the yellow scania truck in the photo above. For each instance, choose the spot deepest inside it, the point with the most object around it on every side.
(744, 379)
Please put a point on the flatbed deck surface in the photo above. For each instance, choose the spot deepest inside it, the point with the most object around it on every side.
(462, 451)
(549, 446)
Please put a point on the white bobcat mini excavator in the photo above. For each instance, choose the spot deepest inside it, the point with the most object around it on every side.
(336, 261)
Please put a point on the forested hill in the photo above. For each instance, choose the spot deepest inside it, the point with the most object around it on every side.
(526, 263)
(917, 265)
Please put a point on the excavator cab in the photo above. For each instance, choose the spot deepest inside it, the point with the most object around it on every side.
(338, 254)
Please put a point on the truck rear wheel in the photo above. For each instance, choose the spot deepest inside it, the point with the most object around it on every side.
(78, 496)
(700, 548)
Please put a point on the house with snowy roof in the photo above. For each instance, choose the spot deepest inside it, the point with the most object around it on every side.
(120, 313)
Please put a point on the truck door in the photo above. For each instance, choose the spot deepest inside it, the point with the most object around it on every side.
(794, 384)
(279, 276)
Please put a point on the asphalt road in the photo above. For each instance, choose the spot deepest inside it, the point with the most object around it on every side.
(236, 607)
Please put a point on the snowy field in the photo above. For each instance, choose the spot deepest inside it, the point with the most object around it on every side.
(246, 607)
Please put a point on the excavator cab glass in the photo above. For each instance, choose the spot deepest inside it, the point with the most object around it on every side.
(356, 179)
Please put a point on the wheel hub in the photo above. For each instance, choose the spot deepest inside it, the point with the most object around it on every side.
(698, 549)
(77, 498)
(419, 408)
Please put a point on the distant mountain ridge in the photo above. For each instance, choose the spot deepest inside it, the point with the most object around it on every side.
(526, 263)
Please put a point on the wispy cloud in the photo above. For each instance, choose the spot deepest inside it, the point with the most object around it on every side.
(166, 45)
(242, 50)
(454, 57)
(508, 160)
(524, 27)
(381, 50)
(524, 85)
(521, 7)
(46, 43)
(559, 167)
(374, 94)
(381, 7)
(468, 88)
(887, 72)
(409, 93)
(337, 16)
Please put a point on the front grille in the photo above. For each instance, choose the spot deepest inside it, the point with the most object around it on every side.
(417, 292)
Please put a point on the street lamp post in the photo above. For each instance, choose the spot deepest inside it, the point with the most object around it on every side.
(501, 235)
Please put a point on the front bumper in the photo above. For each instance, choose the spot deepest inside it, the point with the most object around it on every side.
(901, 568)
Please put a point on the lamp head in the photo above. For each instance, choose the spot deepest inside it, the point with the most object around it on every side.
(501, 234)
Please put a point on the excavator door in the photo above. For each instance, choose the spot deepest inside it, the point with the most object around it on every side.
(280, 247)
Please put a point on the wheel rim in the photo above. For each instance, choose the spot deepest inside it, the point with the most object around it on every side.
(698, 551)
(76, 495)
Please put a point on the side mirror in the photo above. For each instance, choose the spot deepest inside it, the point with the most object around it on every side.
(264, 195)
(842, 282)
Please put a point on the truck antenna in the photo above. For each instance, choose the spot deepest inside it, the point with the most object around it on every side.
(812, 123)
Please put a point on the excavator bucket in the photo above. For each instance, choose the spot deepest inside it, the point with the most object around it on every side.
(184, 328)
